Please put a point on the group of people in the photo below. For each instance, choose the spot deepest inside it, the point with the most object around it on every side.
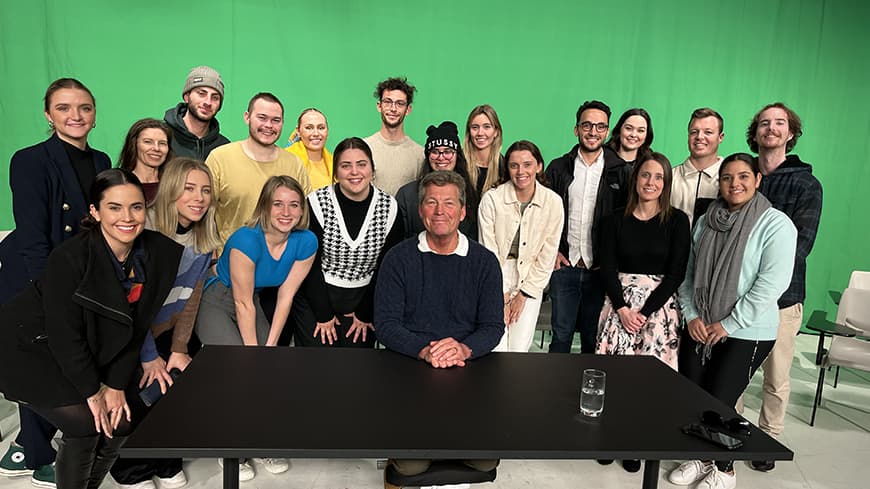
(443, 252)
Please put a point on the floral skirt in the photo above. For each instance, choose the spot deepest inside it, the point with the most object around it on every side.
(659, 337)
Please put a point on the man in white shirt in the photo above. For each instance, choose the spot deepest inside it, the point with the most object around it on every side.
(592, 183)
(398, 158)
(696, 181)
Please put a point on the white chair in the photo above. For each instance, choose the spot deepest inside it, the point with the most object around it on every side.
(859, 280)
(854, 313)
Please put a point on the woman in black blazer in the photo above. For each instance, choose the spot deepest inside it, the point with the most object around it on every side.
(49, 183)
(70, 345)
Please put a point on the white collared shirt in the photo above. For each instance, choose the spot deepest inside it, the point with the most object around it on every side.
(461, 247)
(582, 195)
(691, 184)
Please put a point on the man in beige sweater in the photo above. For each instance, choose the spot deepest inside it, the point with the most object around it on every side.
(397, 157)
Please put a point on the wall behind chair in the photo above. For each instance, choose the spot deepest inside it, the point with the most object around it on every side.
(535, 62)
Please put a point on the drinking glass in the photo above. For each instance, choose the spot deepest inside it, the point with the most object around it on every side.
(592, 392)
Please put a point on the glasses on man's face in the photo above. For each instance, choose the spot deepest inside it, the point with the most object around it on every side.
(442, 154)
(399, 104)
(588, 126)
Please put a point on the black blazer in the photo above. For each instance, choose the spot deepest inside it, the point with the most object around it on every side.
(63, 336)
(47, 204)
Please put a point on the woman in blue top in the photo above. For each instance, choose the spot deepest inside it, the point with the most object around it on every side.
(740, 263)
(275, 249)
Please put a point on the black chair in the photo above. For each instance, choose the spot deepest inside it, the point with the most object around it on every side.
(441, 472)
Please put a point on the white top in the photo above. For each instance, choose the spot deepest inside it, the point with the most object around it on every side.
(690, 184)
(582, 194)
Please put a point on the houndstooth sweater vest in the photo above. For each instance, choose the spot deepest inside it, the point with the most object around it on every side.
(351, 263)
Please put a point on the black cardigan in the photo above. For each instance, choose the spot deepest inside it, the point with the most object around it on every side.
(66, 334)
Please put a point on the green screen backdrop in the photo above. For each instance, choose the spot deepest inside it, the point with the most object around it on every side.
(535, 62)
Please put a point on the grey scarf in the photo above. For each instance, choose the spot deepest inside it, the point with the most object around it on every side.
(720, 256)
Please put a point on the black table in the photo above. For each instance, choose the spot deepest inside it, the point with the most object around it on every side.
(238, 402)
(819, 323)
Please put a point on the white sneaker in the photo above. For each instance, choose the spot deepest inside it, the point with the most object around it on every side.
(149, 484)
(718, 480)
(690, 472)
(174, 482)
(274, 465)
(246, 472)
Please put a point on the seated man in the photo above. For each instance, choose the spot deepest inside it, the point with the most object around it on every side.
(438, 296)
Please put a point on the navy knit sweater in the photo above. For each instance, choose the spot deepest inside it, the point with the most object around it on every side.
(422, 297)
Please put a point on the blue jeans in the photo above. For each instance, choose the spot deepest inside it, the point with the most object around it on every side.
(577, 295)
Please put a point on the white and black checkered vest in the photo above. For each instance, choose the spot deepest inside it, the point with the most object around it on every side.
(351, 263)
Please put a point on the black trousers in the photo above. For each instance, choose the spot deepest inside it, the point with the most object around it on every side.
(268, 301)
(727, 372)
(35, 438)
(305, 323)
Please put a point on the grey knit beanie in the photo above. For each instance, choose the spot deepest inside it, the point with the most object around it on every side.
(203, 76)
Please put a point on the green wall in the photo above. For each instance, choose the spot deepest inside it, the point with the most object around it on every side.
(535, 62)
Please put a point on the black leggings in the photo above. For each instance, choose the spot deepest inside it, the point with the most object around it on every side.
(727, 372)
(76, 421)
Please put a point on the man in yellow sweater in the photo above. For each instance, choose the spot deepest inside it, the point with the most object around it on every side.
(242, 167)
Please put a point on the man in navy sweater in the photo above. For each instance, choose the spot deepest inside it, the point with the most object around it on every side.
(438, 295)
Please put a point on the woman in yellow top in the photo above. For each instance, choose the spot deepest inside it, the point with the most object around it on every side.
(308, 142)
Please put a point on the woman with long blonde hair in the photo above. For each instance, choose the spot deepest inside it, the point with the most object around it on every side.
(483, 139)
(182, 211)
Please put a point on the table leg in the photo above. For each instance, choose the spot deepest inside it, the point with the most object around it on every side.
(231, 473)
(650, 474)
(820, 349)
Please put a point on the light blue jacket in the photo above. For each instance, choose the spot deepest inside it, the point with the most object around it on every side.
(768, 262)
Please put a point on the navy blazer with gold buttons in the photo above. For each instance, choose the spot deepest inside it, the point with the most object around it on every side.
(47, 204)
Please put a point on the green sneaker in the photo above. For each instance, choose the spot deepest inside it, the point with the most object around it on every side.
(44, 477)
(12, 464)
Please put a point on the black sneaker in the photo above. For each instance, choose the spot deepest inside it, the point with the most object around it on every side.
(631, 465)
(763, 465)
(605, 461)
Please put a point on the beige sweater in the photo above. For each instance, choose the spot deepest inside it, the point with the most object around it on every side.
(396, 163)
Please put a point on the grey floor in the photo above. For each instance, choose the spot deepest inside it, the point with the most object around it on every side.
(835, 454)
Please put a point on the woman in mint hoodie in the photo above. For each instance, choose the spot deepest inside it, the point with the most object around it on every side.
(741, 262)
